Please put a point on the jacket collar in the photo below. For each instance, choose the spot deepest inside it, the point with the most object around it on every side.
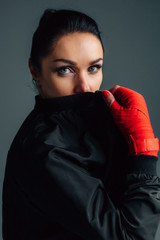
(76, 101)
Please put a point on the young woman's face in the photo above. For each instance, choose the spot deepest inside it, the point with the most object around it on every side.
(74, 66)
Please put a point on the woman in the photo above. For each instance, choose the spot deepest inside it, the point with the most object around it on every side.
(83, 164)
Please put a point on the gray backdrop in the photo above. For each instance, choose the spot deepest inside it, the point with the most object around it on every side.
(131, 35)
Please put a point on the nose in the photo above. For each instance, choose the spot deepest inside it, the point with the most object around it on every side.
(82, 84)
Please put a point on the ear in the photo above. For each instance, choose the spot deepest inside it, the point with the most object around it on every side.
(34, 70)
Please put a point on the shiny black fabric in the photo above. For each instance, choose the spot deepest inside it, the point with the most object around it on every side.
(68, 177)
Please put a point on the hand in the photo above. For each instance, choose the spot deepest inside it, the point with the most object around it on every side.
(129, 111)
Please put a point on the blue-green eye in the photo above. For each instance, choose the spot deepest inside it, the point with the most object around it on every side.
(94, 68)
(64, 70)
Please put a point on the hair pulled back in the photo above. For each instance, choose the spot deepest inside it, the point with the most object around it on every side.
(54, 24)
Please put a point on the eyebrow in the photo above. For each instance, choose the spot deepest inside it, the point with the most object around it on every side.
(74, 63)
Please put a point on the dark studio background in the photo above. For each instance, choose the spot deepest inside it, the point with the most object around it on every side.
(131, 35)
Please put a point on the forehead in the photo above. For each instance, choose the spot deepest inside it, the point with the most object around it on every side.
(77, 46)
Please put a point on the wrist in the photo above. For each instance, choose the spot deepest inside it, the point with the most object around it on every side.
(146, 146)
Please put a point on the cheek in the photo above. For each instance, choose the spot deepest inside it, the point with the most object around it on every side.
(100, 78)
(96, 81)
(61, 84)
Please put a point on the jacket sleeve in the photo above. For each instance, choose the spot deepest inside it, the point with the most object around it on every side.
(68, 194)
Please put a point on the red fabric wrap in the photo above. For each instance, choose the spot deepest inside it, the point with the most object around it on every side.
(130, 113)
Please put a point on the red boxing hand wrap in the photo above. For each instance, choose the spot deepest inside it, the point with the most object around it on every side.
(148, 146)
(132, 118)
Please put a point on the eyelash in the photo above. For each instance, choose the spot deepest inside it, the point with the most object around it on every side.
(68, 67)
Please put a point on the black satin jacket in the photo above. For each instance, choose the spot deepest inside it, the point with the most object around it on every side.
(69, 177)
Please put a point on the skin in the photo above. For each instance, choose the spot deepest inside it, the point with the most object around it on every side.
(83, 76)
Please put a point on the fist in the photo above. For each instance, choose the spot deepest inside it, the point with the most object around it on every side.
(130, 113)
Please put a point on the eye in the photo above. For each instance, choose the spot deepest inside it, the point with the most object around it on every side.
(94, 68)
(64, 70)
